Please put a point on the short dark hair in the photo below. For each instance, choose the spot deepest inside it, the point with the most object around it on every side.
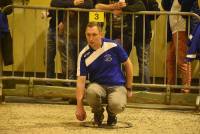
(94, 24)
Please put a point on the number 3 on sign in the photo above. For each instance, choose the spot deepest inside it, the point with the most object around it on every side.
(96, 16)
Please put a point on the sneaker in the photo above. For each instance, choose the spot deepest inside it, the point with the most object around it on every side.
(98, 118)
(112, 119)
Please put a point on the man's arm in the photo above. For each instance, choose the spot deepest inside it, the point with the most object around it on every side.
(128, 66)
(105, 5)
(80, 89)
(80, 92)
(102, 6)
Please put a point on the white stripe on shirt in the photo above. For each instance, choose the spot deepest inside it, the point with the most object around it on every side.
(79, 59)
(99, 52)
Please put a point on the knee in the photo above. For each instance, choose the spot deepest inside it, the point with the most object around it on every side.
(93, 89)
(92, 93)
(116, 107)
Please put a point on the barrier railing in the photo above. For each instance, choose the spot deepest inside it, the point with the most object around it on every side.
(30, 37)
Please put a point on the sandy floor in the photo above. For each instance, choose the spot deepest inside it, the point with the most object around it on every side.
(27, 118)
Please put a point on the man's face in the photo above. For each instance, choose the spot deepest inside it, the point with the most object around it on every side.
(93, 36)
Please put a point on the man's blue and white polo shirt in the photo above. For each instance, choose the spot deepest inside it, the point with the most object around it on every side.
(104, 64)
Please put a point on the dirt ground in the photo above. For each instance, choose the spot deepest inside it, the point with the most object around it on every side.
(38, 118)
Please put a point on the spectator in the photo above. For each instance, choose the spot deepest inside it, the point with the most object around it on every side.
(143, 60)
(132, 6)
(117, 7)
(5, 36)
(52, 36)
(178, 27)
(71, 33)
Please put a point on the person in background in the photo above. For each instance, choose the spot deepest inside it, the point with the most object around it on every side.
(143, 51)
(178, 38)
(74, 40)
(117, 7)
(132, 6)
(53, 35)
(101, 61)
(5, 36)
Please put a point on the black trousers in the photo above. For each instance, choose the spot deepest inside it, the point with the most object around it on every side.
(6, 45)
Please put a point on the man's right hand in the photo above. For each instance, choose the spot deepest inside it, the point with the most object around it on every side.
(80, 113)
(78, 2)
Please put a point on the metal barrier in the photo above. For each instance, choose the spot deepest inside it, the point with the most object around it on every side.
(35, 76)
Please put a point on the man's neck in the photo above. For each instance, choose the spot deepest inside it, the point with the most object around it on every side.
(97, 46)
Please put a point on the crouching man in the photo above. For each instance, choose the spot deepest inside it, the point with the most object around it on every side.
(100, 61)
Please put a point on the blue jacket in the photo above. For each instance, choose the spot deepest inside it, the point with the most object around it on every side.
(5, 36)
(3, 23)
(194, 21)
(194, 44)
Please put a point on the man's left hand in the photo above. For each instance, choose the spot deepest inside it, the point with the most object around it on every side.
(80, 113)
(78, 2)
